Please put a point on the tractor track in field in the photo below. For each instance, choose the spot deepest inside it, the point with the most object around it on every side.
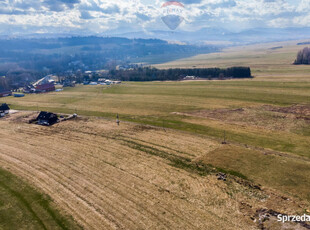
(85, 183)
(98, 185)
(119, 178)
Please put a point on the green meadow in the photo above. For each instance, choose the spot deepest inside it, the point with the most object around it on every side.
(22, 207)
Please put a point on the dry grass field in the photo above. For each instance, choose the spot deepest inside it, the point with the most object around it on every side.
(133, 176)
(157, 170)
(268, 61)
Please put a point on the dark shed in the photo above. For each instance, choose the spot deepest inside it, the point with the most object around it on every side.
(46, 118)
(4, 108)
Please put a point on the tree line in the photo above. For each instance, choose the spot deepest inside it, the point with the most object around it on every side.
(154, 74)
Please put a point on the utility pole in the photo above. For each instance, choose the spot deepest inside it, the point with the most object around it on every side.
(117, 120)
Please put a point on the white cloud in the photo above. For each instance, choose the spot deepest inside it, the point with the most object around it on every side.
(98, 16)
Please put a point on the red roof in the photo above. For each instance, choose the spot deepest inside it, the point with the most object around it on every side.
(5, 93)
(46, 87)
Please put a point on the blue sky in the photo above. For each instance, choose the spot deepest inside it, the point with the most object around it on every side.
(105, 16)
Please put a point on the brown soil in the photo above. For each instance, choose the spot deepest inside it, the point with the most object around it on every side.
(293, 118)
(301, 110)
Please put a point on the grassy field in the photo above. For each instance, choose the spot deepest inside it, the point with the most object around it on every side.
(22, 207)
(265, 120)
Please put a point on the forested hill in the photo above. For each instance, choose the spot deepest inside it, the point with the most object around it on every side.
(87, 53)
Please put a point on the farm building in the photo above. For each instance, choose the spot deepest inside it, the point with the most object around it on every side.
(46, 118)
(5, 93)
(189, 78)
(47, 87)
(45, 84)
(4, 109)
(29, 89)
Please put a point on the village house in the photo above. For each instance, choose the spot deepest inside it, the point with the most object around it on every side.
(45, 84)
(4, 109)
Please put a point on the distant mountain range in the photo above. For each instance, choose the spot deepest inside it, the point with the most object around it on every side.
(217, 36)
(222, 36)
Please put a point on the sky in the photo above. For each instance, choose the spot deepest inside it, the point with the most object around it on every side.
(104, 17)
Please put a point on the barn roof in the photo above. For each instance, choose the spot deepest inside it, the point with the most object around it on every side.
(47, 116)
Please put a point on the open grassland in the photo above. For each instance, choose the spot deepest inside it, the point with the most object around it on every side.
(135, 177)
(269, 61)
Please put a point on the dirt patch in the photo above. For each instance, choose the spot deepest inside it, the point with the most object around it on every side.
(294, 109)
(301, 111)
(141, 128)
(294, 118)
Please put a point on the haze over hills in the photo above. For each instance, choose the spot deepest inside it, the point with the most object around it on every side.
(226, 37)
(211, 35)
